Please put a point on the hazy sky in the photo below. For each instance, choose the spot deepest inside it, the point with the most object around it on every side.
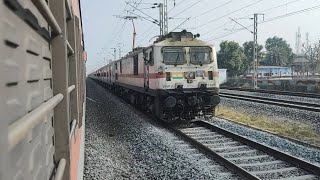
(210, 18)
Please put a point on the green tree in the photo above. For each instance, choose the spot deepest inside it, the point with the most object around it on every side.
(279, 52)
(248, 52)
(231, 57)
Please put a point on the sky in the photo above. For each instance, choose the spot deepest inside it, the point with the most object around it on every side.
(105, 29)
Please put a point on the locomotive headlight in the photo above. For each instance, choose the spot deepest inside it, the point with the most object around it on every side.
(170, 102)
(189, 75)
(215, 100)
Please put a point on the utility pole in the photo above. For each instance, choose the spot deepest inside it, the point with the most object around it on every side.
(132, 18)
(255, 51)
(120, 51)
(165, 17)
(161, 18)
(114, 53)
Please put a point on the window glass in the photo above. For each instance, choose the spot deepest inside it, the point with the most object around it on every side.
(200, 55)
(151, 58)
(173, 56)
(135, 65)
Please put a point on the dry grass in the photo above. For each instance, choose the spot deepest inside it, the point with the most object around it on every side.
(298, 131)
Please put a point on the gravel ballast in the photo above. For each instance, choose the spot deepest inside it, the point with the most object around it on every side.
(306, 153)
(121, 144)
(273, 112)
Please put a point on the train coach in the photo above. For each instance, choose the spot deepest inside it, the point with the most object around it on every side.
(176, 78)
(42, 92)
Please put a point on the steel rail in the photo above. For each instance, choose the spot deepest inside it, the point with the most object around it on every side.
(287, 93)
(269, 150)
(299, 163)
(215, 156)
(273, 101)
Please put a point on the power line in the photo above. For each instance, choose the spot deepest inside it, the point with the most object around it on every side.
(187, 8)
(142, 34)
(147, 35)
(181, 24)
(229, 14)
(271, 19)
(246, 16)
(176, 6)
(206, 12)
(274, 7)
(154, 20)
(114, 35)
(142, 12)
(213, 9)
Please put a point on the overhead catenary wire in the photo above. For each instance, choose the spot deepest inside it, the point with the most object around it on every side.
(154, 20)
(210, 10)
(142, 12)
(246, 16)
(228, 14)
(148, 35)
(176, 5)
(269, 20)
(115, 35)
(145, 32)
(189, 7)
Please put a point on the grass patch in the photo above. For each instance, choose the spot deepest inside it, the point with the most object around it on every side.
(295, 130)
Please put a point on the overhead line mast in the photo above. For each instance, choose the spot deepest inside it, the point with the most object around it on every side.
(132, 18)
(255, 48)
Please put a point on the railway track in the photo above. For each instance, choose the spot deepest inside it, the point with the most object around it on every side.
(248, 159)
(288, 93)
(272, 101)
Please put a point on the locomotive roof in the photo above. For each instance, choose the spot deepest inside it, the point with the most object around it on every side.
(182, 38)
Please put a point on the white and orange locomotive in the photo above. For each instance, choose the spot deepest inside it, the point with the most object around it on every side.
(176, 78)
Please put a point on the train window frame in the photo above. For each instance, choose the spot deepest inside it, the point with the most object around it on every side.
(210, 60)
(151, 58)
(136, 64)
(175, 63)
(120, 63)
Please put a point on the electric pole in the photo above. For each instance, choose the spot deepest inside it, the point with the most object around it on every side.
(161, 18)
(114, 53)
(120, 51)
(255, 51)
(132, 18)
(165, 17)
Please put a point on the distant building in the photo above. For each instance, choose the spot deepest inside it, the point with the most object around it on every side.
(301, 66)
(273, 72)
(222, 76)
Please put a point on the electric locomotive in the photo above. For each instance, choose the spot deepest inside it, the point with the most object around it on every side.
(176, 78)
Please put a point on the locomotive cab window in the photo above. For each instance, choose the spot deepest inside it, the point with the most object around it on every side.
(173, 56)
(151, 58)
(135, 65)
(200, 55)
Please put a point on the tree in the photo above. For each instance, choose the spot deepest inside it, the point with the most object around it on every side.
(248, 52)
(312, 53)
(231, 57)
(279, 52)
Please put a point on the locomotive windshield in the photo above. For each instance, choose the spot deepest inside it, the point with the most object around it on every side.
(200, 55)
(173, 56)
